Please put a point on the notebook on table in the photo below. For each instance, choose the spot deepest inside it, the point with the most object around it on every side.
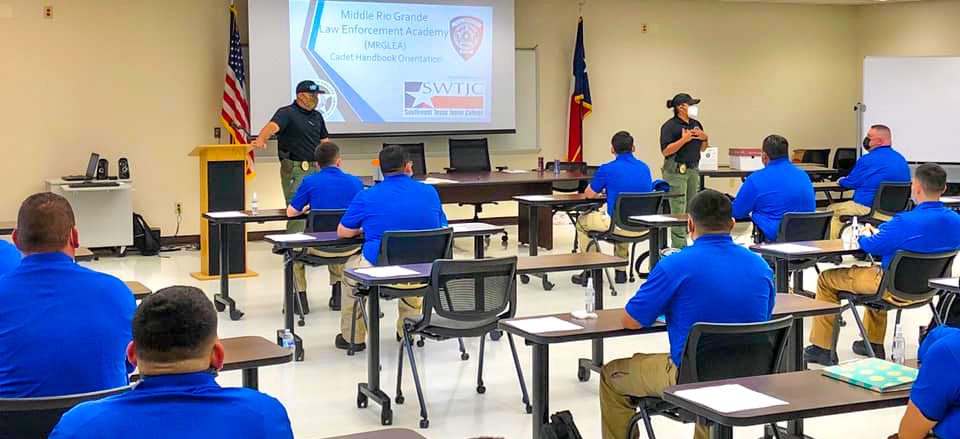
(874, 374)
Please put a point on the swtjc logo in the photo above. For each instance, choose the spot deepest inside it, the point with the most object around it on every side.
(466, 34)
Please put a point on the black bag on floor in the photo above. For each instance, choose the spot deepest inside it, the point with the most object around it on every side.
(560, 426)
(948, 309)
(143, 240)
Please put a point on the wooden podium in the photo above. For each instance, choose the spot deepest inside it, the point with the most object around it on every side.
(222, 188)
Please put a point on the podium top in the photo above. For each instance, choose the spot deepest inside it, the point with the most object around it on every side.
(225, 147)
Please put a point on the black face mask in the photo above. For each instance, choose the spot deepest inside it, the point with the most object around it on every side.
(866, 143)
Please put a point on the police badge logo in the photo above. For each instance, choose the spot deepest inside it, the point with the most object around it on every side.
(327, 99)
(466, 34)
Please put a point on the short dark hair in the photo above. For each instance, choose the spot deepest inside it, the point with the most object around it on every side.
(882, 128)
(711, 211)
(393, 158)
(622, 142)
(932, 178)
(44, 223)
(326, 153)
(173, 324)
(776, 147)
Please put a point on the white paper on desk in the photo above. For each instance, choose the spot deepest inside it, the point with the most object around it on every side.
(537, 197)
(431, 180)
(729, 398)
(466, 227)
(387, 271)
(950, 199)
(790, 248)
(515, 171)
(226, 214)
(543, 324)
(292, 237)
(653, 218)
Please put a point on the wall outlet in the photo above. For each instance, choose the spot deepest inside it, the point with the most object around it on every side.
(48, 12)
(179, 209)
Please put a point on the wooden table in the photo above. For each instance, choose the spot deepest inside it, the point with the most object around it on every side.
(83, 254)
(222, 300)
(292, 253)
(390, 433)
(828, 187)
(608, 325)
(809, 394)
(659, 225)
(6, 227)
(946, 284)
(138, 289)
(371, 391)
(248, 354)
(814, 170)
(818, 249)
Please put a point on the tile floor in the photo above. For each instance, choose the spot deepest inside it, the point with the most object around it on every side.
(319, 393)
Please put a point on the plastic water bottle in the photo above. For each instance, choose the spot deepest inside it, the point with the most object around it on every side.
(588, 297)
(556, 167)
(253, 203)
(899, 345)
(287, 341)
(854, 232)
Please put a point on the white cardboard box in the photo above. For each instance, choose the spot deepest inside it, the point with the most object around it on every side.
(709, 159)
(745, 159)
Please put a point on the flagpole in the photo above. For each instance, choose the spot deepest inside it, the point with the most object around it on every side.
(580, 118)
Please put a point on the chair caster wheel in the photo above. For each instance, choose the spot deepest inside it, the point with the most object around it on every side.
(220, 307)
(361, 401)
(399, 399)
(481, 390)
(524, 279)
(386, 417)
(613, 292)
(420, 343)
(528, 408)
(464, 356)
(496, 334)
(424, 423)
(236, 315)
(547, 285)
(301, 323)
(583, 375)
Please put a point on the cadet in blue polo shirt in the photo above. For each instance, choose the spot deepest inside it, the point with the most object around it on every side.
(881, 165)
(928, 228)
(714, 280)
(935, 396)
(397, 203)
(175, 345)
(777, 189)
(9, 257)
(55, 313)
(331, 188)
(624, 174)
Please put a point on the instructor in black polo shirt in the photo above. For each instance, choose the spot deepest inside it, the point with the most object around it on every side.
(299, 128)
(681, 141)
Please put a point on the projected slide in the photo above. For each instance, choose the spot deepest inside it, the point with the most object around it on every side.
(409, 63)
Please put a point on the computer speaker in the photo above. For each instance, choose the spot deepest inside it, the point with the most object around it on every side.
(124, 168)
(102, 168)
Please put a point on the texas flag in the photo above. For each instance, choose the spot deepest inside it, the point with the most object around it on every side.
(580, 104)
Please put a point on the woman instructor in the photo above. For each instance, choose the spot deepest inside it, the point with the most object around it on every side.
(681, 141)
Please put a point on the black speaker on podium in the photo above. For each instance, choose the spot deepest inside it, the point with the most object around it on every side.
(123, 169)
(103, 169)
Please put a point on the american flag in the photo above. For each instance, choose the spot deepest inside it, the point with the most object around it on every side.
(235, 112)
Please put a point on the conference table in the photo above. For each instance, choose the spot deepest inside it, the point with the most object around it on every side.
(725, 171)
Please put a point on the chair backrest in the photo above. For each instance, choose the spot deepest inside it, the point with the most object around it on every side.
(472, 290)
(568, 186)
(818, 156)
(324, 220)
(908, 274)
(29, 418)
(718, 351)
(891, 199)
(399, 247)
(813, 226)
(416, 154)
(469, 155)
(844, 159)
(633, 204)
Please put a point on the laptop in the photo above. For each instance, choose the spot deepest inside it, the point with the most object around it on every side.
(91, 170)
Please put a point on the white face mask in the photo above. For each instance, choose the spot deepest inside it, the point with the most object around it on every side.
(693, 111)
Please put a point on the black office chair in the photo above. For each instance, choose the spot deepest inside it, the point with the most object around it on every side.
(906, 279)
(891, 199)
(717, 351)
(796, 227)
(399, 247)
(35, 418)
(817, 156)
(472, 155)
(466, 298)
(416, 154)
(321, 220)
(844, 159)
(626, 205)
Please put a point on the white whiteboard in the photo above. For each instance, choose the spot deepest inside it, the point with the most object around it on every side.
(919, 99)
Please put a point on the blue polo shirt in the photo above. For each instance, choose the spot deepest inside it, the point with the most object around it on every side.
(185, 406)
(936, 393)
(624, 174)
(713, 281)
(397, 203)
(769, 193)
(881, 165)
(9, 256)
(331, 188)
(63, 328)
(929, 228)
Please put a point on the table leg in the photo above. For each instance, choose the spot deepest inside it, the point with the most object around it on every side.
(595, 362)
(703, 179)
(478, 247)
(721, 432)
(371, 389)
(223, 299)
(534, 237)
(782, 276)
(795, 427)
(541, 387)
(656, 245)
(250, 378)
(289, 307)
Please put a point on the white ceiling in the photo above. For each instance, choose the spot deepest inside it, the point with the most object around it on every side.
(827, 2)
